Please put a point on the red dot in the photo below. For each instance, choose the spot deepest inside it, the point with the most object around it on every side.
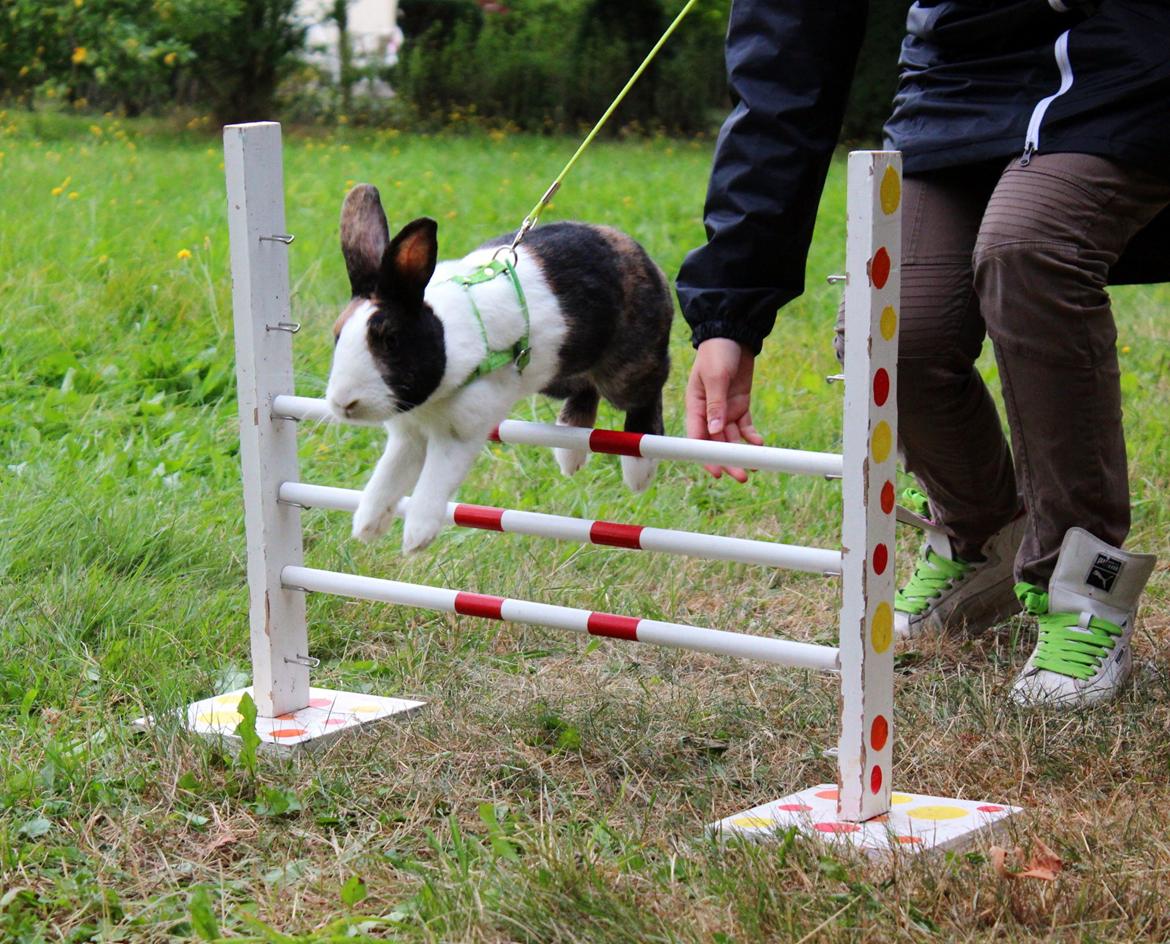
(793, 807)
(333, 721)
(879, 268)
(989, 809)
(320, 702)
(881, 386)
(908, 840)
(881, 557)
(879, 732)
(888, 497)
(875, 779)
(826, 794)
(836, 827)
(288, 733)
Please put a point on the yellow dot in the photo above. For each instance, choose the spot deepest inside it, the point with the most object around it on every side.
(891, 191)
(897, 798)
(938, 812)
(753, 822)
(221, 719)
(233, 699)
(889, 323)
(881, 442)
(364, 709)
(881, 628)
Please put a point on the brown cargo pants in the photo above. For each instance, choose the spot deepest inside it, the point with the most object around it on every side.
(1021, 254)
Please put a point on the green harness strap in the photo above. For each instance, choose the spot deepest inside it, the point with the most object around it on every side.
(519, 352)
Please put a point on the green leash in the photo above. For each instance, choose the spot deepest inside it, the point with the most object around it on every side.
(519, 353)
(531, 219)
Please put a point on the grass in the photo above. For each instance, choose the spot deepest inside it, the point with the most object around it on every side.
(552, 790)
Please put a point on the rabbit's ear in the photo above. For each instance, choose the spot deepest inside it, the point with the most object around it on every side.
(364, 237)
(410, 260)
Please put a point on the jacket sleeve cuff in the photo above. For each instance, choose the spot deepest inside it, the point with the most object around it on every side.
(748, 336)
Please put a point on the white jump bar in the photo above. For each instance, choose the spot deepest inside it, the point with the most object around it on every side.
(518, 432)
(675, 635)
(813, 560)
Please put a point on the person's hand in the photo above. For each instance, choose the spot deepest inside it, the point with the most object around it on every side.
(718, 398)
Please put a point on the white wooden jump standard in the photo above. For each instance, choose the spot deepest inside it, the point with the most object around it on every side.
(861, 808)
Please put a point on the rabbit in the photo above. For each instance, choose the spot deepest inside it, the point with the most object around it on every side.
(408, 344)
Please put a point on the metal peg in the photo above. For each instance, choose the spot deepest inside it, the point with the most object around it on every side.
(307, 661)
(835, 379)
(834, 279)
(285, 238)
(292, 327)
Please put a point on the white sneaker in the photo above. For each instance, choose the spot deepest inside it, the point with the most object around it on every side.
(946, 593)
(1086, 619)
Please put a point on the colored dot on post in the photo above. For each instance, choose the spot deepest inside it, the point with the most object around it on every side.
(753, 822)
(881, 632)
(881, 386)
(875, 779)
(879, 732)
(888, 498)
(989, 809)
(890, 191)
(879, 268)
(881, 442)
(888, 323)
(881, 558)
(836, 827)
(937, 812)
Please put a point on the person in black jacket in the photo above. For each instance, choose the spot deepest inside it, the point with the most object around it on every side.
(1035, 136)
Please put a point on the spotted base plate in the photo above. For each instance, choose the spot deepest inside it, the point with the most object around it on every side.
(915, 822)
(327, 715)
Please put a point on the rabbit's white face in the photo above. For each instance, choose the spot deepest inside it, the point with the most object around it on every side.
(356, 391)
(390, 353)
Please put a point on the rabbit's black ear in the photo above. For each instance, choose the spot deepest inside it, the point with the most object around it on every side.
(364, 237)
(410, 260)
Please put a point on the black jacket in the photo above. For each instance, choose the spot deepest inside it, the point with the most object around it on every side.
(981, 80)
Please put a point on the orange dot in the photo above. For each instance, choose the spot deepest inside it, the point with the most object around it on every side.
(288, 732)
(888, 497)
(836, 827)
(879, 732)
(879, 268)
(826, 794)
(908, 840)
(881, 632)
(320, 702)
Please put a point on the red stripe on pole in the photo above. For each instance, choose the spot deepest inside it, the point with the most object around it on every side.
(615, 443)
(616, 627)
(478, 604)
(479, 516)
(616, 535)
(494, 435)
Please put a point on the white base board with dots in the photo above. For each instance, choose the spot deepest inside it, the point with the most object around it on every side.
(327, 715)
(915, 823)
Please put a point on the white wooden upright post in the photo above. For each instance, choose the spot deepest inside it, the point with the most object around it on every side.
(873, 255)
(268, 445)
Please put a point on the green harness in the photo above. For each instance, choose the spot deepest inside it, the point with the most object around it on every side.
(519, 352)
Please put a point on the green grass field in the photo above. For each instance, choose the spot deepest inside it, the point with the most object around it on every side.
(553, 789)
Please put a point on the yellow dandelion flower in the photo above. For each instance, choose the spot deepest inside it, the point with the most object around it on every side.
(57, 191)
(103, 259)
(344, 148)
(79, 54)
(451, 214)
(24, 70)
(348, 184)
(79, 3)
(1125, 349)
(183, 254)
(96, 130)
(171, 58)
(73, 194)
(343, 119)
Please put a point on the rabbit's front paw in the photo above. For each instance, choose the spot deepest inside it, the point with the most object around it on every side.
(419, 531)
(370, 522)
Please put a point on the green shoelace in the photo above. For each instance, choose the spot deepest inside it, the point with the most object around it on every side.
(916, 501)
(1066, 647)
(932, 576)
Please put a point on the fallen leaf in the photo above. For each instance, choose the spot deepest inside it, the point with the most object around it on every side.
(1044, 863)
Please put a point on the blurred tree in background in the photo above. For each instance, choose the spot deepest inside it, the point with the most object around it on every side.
(535, 65)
